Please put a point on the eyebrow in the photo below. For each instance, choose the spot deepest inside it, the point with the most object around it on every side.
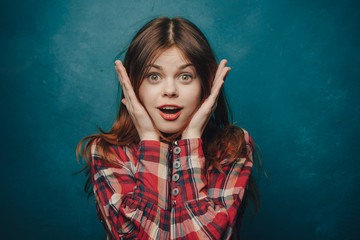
(181, 67)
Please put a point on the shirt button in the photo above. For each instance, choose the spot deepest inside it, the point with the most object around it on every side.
(177, 164)
(177, 150)
(175, 192)
(176, 143)
(175, 177)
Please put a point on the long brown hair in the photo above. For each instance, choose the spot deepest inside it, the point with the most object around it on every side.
(150, 41)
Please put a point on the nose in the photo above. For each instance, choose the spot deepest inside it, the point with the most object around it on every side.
(169, 88)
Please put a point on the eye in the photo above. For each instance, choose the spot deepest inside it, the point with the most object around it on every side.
(153, 77)
(185, 77)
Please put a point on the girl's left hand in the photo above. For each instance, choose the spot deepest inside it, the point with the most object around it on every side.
(202, 115)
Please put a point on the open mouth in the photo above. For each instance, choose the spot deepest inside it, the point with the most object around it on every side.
(170, 112)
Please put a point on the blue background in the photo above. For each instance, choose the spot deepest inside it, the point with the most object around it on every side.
(294, 86)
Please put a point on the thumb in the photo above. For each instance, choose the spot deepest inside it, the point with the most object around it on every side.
(123, 101)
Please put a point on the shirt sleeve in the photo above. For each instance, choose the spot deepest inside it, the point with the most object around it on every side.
(228, 188)
(205, 209)
(131, 198)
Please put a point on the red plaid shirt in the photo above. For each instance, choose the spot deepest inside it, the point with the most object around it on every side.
(159, 191)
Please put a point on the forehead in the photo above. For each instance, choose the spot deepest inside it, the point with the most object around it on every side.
(172, 56)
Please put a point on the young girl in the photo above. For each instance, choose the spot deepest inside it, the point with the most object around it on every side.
(172, 166)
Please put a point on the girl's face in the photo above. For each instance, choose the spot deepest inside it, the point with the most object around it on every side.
(171, 91)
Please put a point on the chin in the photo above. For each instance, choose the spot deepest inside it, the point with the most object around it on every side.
(169, 130)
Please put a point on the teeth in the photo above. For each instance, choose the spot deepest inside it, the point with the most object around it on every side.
(169, 108)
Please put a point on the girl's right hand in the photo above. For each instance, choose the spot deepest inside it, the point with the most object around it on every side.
(137, 112)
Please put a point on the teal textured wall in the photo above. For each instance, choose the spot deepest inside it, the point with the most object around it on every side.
(294, 86)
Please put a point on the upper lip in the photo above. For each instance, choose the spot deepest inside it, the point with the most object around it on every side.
(170, 106)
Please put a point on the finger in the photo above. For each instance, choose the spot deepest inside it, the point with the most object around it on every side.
(118, 65)
(221, 66)
(122, 74)
(123, 86)
(125, 82)
(221, 77)
(212, 98)
(219, 81)
(224, 73)
(130, 94)
(216, 90)
(123, 101)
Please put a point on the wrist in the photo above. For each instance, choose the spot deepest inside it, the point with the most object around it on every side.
(190, 134)
(149, 136)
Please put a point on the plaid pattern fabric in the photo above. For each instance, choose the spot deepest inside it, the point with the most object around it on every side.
(159, 191)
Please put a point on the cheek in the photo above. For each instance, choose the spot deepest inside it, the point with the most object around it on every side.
(148, 96)
(195, 96)
(142, 94)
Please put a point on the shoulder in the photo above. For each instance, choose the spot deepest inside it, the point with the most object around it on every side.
(244, 158)
(240, 141)
(234, 144)
(237, 161)
(248, 141)
(246, 135)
